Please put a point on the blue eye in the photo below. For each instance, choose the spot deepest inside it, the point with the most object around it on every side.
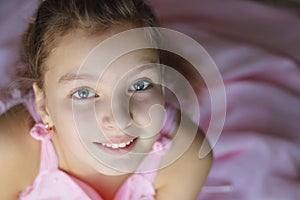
(84, 93)
(140, 86)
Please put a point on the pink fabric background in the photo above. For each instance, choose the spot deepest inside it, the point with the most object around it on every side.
(256, 48)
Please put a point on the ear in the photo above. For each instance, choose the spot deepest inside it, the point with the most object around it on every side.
(41, 106)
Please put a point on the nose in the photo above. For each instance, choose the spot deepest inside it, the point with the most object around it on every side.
(116, 118)
(108, 123)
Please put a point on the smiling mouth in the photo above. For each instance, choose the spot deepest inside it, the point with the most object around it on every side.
(118, 145)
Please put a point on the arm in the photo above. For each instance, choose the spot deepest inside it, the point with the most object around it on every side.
(7, 158)
(184, 178)
(17, 151)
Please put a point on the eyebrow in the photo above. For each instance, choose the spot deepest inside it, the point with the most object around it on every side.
(69, 77)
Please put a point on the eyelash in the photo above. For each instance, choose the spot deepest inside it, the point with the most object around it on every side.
(92, 94)
(146, 85)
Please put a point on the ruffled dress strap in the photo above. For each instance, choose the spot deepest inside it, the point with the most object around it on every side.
(48, 158)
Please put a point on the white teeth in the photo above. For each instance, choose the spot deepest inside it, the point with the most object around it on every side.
(122, 145)
(116, 146)
(108, 145)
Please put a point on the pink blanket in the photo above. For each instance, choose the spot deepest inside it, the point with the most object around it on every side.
(256, 48)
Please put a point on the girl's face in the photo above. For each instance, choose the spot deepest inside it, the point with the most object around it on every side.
(104, 116)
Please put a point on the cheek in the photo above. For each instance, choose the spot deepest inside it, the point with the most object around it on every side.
(72, 128)
(62, 114)
(62, 118)
(141, 105)
(76, 121)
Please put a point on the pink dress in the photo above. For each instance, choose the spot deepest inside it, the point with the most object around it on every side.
(52, 183)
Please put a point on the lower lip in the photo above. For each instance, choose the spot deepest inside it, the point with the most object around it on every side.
(119, 151)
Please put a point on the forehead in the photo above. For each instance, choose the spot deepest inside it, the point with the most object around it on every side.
(78, 47)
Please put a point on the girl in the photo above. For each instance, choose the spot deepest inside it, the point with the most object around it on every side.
(91, 134)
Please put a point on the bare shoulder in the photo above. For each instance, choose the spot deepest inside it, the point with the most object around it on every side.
(185, 171)
(19, 152)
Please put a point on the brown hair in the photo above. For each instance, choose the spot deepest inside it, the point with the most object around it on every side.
(56, 18)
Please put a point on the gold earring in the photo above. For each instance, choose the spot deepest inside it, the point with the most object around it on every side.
(48, 127)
